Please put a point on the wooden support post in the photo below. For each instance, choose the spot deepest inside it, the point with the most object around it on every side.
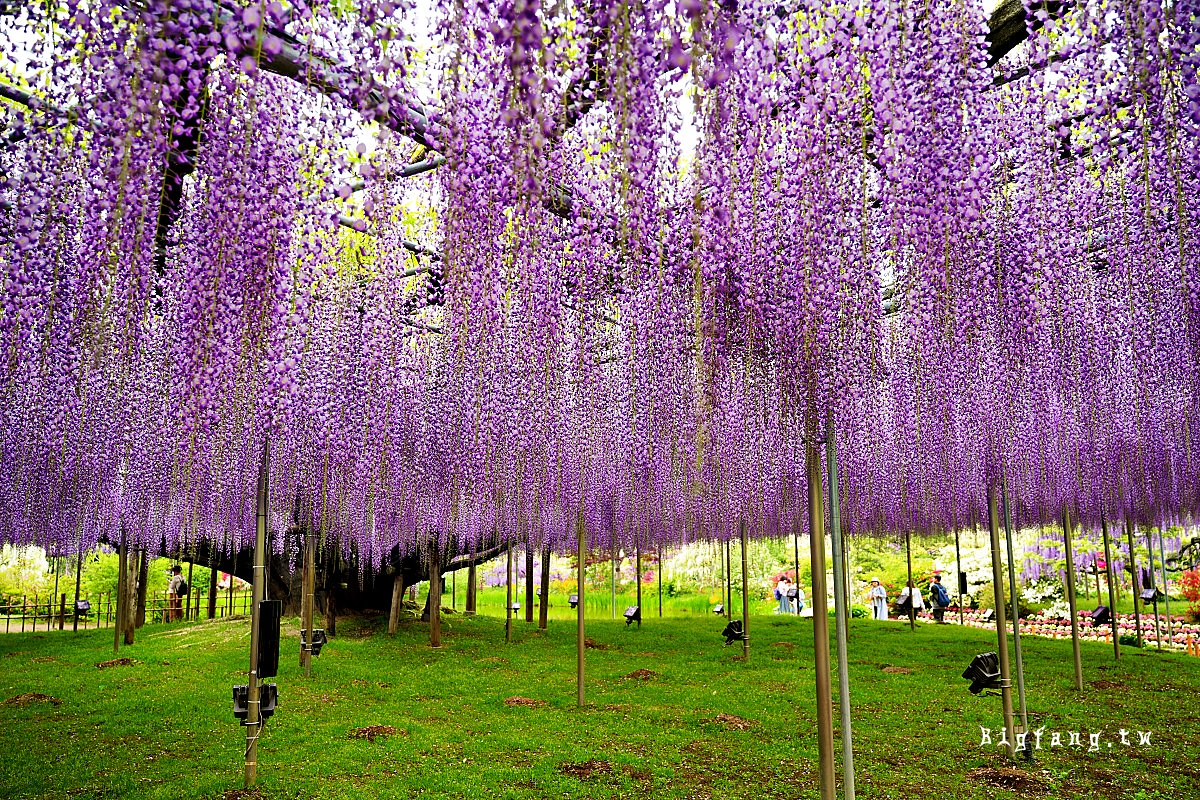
(435, 595)
(528, 582)
(728, 583)
(308, 597)
(957, 573)
(659, 570)
(62, 612)
(472, 586)
(580, 638)
(258, 582)
(1001, 631)
(1070, 556)
(1112, 596)
(397, 603)
(820, 603)
(131, 594)
(1134, 583)
(544, 604)
(187, 599)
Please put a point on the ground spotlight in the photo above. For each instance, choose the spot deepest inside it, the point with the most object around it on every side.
(633, 614)
(989, 615)
(82, 608)
(719, 609)
(573, 600)
(515, 607)
(733, 632)
(1152, 595)
(1100, 616)
(984, 672)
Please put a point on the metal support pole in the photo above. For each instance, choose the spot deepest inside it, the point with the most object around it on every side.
(307, 596)
(122, 591)
(435, 592)
(1014, 602)
(528, 582)
(745, 593)
(1070, 554)
(613, 588)
(544, 604)
(253, 720)
(796, 555)
(728, 583)
(841, 612)
(1001, 633)
(957, 572)
(1162, 562)
(580, 639)
(1134, 582)
(820, 600)
(1112, 595)
(508, 586)
(912, 590)
(78, 574)
(637, 549)
(1157, 621)
(659, 571)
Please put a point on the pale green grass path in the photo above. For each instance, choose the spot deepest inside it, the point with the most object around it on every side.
(163, 728)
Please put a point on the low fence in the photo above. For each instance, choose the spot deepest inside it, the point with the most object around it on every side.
(20, 614)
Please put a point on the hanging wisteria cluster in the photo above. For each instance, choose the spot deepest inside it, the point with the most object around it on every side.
(617, 268)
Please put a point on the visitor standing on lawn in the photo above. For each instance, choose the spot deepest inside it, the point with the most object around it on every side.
(176, 589)
(781, 594)
(878, 597)
(939, 598)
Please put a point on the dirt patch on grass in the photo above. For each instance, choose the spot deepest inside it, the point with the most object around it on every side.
(373, 732)
(641, 675)
(31, 697)
(897, 670)
(525, 701)
(493, 660)
(44, 659)
(582, 770)
(117, 662)
(784, 645)
(735, 723)
(1014, 780)
(243, 794)
(592, 644)
(1105, 686)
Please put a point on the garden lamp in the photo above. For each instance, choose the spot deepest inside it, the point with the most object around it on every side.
(573, 600)
(984, 673)
(733, 632)
(1100, 616)
(633, 614)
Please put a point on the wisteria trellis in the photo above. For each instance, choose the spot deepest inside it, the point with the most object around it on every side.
(652, 354)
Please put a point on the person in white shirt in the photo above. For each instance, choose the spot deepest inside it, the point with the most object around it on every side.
(781, 594)
(878, 597)
(918, 602)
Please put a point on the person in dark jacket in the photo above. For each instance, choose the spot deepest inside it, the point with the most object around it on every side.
(940, 599)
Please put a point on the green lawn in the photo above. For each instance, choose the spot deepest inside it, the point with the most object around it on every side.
(163, 726)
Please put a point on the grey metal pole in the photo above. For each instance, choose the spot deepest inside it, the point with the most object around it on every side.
(728, 583)
(660, 572)
(508, 585)
(1070, 554)
(820, 598)
(841, 611)
(253, 720)
(796, 548)
(1162, 562)
(637, 548)
(1001, 633)
(580, 639)
(1134, 583)
(78, 573)
(1112, 594)
(1016, 622)
(912, 590)
(1157, 621)
(957, 573)
(745, 594)
(613, 602)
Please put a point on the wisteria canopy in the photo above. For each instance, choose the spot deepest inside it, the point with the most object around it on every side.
(617, 263)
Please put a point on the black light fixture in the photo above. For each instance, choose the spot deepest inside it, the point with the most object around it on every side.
(984, 673)
(515, 606)
(1100, 616)
(733, 632)
(268, 698)
(962, 583)
(719, 608)
(989, 615)
(269, 614)
(319, 640)
(633, 614)
(1152, 595)
(573, 600)
(82, 608)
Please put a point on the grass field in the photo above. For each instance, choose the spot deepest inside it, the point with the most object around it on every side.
(696, 722)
